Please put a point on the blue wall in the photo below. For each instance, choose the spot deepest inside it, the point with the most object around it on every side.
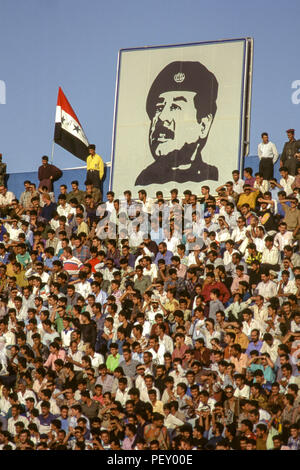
(253, 162)
(15, 181)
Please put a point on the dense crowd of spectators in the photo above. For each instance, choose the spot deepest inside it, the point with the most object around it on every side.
(166, 323)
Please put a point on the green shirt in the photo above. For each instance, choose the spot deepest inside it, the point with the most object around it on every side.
(24, 259)
(112, 362)
(142, 284)
(59, 324)
(80, 196)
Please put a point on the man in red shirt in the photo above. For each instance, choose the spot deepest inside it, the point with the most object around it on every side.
(94, 260)
(180, 348)
(210, 284)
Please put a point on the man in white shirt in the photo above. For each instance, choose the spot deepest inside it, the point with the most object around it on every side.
(145, 324)
(122, 391)
(270, 346)
(286, 181)
(8, 336)
(227, 256)
(242, 390)
(109, 205)
(96, 358)
(206, 401)
(15, 411)
(231, 216)
(157, 350)
(260, 310)
(164, 339)
(14, 230)
(74, 356)
(286, 287)
(6, 198)
(145, 201)
(238, 183)
(261, 184)
(239, 233)
(171, 421)
(150, 269)
(268, 155)
(5, 404)
(266, 288)
(38, 271)
(178, 374)
(249, 323)
(270, 255)
(24, 393)
(66, 333)
(149, 385)
(283, 237)
(63, 207)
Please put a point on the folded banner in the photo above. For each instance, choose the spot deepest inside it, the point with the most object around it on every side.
(68, 132)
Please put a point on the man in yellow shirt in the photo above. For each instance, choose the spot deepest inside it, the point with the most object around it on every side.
(95, 167)
(249, 196)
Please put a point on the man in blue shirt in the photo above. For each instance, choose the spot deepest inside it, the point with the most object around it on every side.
(274, 189)
(3, 254)
(255, 344)
(49, 258)
(45, 417)
(265, 366)
(156, 232)
(163, 253)
(49, 207)
(2, 231)
(64, 412)
(28, 233)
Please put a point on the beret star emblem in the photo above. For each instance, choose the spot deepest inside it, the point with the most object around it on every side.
(179, 77)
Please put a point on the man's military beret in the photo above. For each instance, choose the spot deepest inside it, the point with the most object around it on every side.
(185, 76)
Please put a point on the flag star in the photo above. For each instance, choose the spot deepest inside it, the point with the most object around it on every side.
(77, 129)
(63, 119)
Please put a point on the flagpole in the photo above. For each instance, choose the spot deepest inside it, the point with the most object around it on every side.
(52, 151)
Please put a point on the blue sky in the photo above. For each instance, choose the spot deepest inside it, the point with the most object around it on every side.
(75, 45)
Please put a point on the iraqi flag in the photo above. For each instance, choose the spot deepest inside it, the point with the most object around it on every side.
(68, 131)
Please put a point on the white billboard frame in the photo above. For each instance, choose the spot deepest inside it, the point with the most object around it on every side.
(245, 110)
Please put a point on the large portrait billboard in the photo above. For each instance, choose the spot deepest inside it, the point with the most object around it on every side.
(181, 116)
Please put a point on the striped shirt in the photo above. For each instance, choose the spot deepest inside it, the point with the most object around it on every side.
(72, 266)
(82, 254)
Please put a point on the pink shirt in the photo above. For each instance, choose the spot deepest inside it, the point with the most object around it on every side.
(181, 270)
(240, 363)
(180, 352)
(52, 358)
(236, 280)
(127, 443)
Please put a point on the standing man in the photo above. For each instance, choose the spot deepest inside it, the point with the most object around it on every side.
(25, 198)
(290, 151)
(2, 170)
(6, 198)
(95, 168)
(268, 155)
(48, 173)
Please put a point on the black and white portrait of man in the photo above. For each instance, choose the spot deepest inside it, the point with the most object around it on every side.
(181, 106)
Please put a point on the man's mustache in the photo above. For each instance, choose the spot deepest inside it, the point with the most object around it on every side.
(161, 129)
